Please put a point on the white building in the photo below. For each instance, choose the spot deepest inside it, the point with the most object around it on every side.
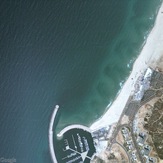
(143, 84)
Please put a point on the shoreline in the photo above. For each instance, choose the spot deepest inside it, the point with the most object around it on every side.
(150, 56)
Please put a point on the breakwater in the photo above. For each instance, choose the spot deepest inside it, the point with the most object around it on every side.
(51, 145)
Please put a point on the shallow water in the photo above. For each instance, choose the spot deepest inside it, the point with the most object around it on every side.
(71, 53)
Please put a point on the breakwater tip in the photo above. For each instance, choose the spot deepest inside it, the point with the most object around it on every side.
(57, 106)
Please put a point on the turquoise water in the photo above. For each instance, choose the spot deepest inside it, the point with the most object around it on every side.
(120, 53)
(73, 53)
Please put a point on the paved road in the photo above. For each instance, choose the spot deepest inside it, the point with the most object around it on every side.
(113, 140)
(131, 112)
(125, 151)
(136, 146)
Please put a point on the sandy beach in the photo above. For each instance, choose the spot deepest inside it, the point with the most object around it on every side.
(150, 56)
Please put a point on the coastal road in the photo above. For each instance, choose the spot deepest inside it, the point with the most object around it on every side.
(125, 151)
(113, 140)
(131, 110)
(136, 146)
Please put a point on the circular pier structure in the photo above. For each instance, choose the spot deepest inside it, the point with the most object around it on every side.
(73, 144)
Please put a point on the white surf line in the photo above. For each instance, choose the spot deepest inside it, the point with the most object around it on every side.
(150, 56)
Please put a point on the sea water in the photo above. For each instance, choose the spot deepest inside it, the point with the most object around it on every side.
(76, 54)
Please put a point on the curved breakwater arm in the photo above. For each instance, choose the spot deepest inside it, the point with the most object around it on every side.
(52, 152)
(72, 127)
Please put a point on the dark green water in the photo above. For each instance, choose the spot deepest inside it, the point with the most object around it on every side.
(70, 139)
(72, 53)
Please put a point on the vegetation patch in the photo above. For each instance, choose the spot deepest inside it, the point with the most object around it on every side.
(155, 127)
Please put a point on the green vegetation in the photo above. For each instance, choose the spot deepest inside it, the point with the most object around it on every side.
(155, 127)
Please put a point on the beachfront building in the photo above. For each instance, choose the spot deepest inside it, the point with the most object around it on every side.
(142, 84)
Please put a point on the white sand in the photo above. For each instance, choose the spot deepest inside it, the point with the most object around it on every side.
(151, 55)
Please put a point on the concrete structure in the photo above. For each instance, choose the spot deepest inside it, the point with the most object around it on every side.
(143, 84)
(73, 127)
(77, 146)
(52, 153)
